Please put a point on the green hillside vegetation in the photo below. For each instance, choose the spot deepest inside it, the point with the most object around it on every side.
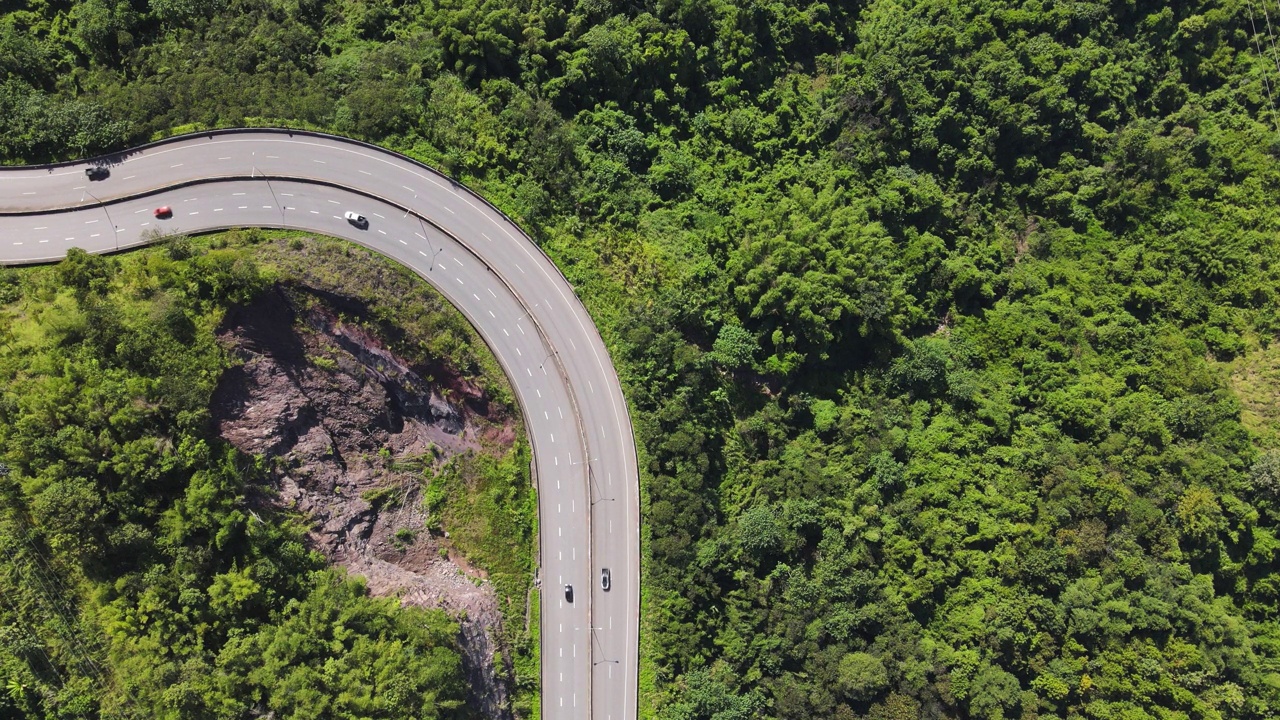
(142, 572)
(938, 317)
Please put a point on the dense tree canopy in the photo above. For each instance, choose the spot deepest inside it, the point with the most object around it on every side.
(136, 577)
(937, 316)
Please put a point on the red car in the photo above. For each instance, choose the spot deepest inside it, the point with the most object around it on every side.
(163, 211)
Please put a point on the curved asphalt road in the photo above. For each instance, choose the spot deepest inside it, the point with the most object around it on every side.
(513, 294)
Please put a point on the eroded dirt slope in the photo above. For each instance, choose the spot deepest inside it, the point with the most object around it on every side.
(350, 429)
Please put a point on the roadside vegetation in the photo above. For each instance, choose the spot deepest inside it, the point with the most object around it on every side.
(487, 506)
(141, 573)
(942, 320)
(484, 499)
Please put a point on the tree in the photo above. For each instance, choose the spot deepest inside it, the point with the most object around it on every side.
(862, 675)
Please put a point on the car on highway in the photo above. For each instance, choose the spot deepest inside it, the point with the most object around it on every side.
(356, 219)
(97, 172)
(568, 592)
(164, 211)
(606, 580)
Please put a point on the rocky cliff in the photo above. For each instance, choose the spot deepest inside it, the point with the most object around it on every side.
(350, 430)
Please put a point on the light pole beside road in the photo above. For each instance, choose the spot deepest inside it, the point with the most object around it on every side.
(115, 232)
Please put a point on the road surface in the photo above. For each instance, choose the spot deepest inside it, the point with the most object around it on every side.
(583, 448)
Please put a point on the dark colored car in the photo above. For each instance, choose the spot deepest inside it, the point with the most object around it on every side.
(568, 592)
(97, 172)
(164, 211)
(606, 580)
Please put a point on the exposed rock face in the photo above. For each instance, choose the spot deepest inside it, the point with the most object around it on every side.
(336, 408)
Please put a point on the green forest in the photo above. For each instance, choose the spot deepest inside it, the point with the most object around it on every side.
(946, 325)
(141, 573)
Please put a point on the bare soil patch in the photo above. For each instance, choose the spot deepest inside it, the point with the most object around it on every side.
(350, 429)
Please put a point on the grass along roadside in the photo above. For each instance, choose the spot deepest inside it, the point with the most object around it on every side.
(488, 508)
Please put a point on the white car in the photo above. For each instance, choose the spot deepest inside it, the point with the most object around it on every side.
(356, 219)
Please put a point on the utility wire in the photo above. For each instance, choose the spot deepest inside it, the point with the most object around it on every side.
(68, 627)
(1266, 84)
(19, 622)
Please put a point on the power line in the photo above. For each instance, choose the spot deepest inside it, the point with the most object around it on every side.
(51, 585)
(64, 613)
(19, 622)
(1271, 37)
(1266, 84)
